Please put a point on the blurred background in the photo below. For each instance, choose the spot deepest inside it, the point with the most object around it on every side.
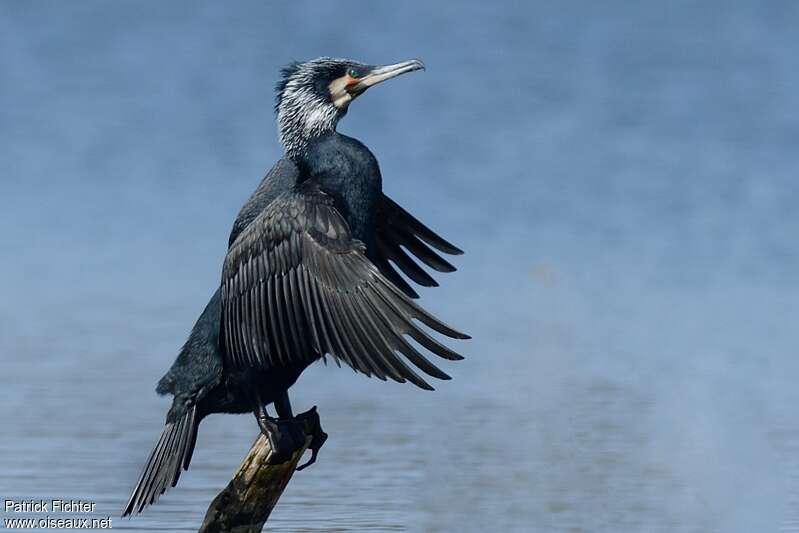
(622, 176)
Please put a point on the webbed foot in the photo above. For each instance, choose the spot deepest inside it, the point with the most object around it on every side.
(285, 435)
(313, 427)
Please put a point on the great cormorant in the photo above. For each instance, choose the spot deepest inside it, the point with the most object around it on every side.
(309, 273)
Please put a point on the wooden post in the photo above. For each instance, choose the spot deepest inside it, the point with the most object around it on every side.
(247, 501)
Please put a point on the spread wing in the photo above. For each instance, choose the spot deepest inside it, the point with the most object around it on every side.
(398, 229)
(296, 285)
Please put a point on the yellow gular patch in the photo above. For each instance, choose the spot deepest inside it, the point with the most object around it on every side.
(338, 90)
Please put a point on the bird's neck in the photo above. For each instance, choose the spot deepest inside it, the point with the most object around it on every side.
(300, 125)
(345, 169)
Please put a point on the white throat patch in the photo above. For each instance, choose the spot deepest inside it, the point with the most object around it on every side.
(301, 116)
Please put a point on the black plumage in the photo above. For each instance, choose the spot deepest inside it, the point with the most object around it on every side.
(310, 272)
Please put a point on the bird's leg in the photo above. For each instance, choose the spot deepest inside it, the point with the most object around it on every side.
(263, 418)
(283, 406)
(285, 433)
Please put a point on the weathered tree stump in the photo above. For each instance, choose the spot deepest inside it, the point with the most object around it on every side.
(247, 501)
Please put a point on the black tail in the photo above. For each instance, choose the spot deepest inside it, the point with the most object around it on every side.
(162, 470)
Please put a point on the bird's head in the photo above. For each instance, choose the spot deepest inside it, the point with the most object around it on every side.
(313, 96)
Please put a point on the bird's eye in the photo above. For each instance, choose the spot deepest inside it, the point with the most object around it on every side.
(354, 73)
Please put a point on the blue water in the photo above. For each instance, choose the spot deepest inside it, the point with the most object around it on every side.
(624, 181)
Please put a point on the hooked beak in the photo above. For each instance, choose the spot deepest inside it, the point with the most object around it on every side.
(383, 73)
